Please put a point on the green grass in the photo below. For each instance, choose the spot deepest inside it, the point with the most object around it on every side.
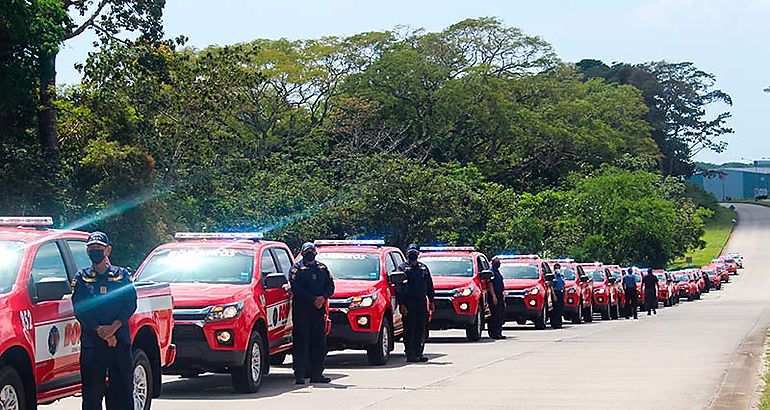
(717, 232)
(764, 400)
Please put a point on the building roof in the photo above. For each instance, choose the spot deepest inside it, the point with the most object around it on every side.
(753, 170)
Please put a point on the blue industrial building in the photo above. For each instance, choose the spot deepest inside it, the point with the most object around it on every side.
(736, 183)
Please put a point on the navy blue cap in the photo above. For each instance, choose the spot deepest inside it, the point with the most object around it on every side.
(97, 237)
(412, 248)
(308, 246)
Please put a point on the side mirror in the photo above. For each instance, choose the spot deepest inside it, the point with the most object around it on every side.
(584, 278)
(550, 276)
(52, 289)
(611, 280)
(396, 277)
(486, 275)
(275, 281)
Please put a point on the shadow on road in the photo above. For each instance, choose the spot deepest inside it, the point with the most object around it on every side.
(218, 387)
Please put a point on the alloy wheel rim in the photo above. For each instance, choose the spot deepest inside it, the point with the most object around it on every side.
(256, 362)
(140, 387)
(9, 398)
(385, 341)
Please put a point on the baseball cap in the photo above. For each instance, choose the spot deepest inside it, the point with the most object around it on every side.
(98, 237)
(413, 248)
(308, 246)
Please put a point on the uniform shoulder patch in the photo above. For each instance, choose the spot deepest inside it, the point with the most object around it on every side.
(321, 265)
(293, 270)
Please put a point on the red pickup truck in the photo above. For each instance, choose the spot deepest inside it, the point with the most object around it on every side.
(460, 275)
(232, 307)
(606, 294)
(39, 336)
(363, 308)
(528, 296)
(578, 291)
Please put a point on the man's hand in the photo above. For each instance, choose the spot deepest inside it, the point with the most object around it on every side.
(112, 341)
(402, 309)
(431, 307)
(319, 302)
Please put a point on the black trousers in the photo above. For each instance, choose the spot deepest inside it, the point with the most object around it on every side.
(98, 362)
(415, 323)
(498, 315)
(632, 299)
(309, 336)
(557, 315)
(651, 300)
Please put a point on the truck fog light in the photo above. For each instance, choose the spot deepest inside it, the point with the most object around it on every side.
(224, 337)
(464, 306)
(533, 302)
(571, 301)
(363, 321)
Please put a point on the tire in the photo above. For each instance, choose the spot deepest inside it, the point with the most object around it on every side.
(248, 378)
(540, 322)
(143, 392)
(577, 318)
(473, 331)
(588, 315)
(278, 359)
(606, 313)
(378, 354)
(12, 394)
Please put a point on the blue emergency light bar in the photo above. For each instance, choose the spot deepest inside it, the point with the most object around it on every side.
(26, 221)
(249, 236)
(447, 249)
(349, 242)
(512, 257)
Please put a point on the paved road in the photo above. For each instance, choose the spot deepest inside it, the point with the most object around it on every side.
(698, 354)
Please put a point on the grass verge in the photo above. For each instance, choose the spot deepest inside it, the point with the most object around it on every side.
(717, 233)
(764, 399)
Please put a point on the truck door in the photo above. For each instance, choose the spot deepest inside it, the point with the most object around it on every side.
(277, 302)
(392, 261)
(57, 333)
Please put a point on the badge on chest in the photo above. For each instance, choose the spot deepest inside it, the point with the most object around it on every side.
(102, 290)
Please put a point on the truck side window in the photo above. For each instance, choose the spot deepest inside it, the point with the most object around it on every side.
(390, 264)
(79, 254)
(397, 258)
(48, 263)
(268, 264)
(283, 260)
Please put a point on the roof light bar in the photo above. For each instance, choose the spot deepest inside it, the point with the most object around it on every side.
(349, 242)
(563, 260)
(251, 236)
(447, 249)
(26, 221)
(509, 257)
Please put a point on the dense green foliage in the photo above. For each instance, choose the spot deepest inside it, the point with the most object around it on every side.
(477, 134)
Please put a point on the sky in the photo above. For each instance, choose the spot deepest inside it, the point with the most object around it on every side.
(728, 38)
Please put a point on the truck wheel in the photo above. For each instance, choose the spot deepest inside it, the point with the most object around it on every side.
(12, 394)
(577, 318)
(248, 378)
(278, 359)
(473, 331)
(142, 380)
(606, 313)
(588, 315)
(540, 322)
(378, 354)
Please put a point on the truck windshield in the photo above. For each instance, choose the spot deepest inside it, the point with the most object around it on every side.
(596, 275)
(681, 278)
(661, 277)
(233, 266)
(10, 257)
(449, 265)
(349, 265)
(568, 273)
(519, 271)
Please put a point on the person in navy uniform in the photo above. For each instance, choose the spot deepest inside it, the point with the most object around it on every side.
(415, 301)
(311, 285)
(632, 298)
(557, 284)
(496, 288)
(104, 299)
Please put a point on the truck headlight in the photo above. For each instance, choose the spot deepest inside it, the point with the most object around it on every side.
(599, 291)
(224, 312)
(363, 301)
(534, 291)
(463, 292)
(571, 291)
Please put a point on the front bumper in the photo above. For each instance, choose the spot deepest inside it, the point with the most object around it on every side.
(193, 352)
(342, 335)
(447, 316)
(516, 310)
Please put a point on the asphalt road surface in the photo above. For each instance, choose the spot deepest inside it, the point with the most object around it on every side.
(697, 354)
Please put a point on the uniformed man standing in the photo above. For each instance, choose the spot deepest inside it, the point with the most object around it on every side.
(104, 299)
(496, 288)
(311, 285)
(557, 284)
(632, 298)
(415, 301)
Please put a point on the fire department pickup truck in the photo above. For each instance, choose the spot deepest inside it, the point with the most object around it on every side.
(232, 309)
(578, 291)
(606, 294)
(460, 275)
(527, 293)
(363, 308)
(39, 336)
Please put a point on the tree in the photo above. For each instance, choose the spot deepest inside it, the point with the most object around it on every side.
(678, 96)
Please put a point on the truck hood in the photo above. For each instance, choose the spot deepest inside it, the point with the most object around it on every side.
(451, 282)
(345, 288)
(515, 284)
(208, 294)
